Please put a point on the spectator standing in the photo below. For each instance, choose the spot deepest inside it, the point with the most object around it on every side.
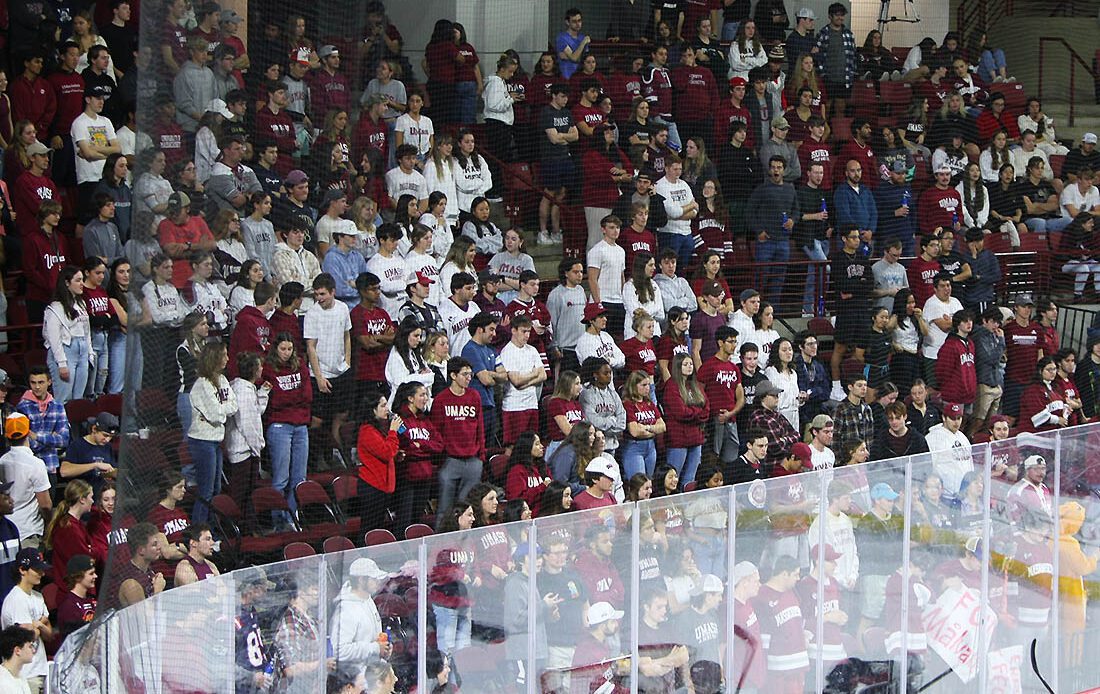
(938, 313)
(457, 415)
(566, 304)
(814, 231)
(67, 335)
(989, 361)
(854, 282)
(985, 272)
(24, 606)
(836, 58)
(773, 208)
(950, 449)
(686, 409)
(571, 44)
(459, 308)
(101, 236)
(66, 534)
(32, 188)
(890, 275)
(27, 482)
(955, 366)
(344, 262)
(855, 202)
(601, 404)
(47, 418)
(853, 420)
(32, 97)
(213, 402)
(706, 322)
(525, 374)
(778, 145)
(776, 427)
(489, 371)
(244, 434)
(606, 267)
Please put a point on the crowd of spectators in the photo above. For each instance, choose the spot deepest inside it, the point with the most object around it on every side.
(317, 277)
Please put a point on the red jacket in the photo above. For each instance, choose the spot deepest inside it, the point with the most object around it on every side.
(420, 443)
(460, 422)
(695, 92)
(376, 458)
(329, 93)
(684, 422)
(43, 258)
(727, 114)
(68, 541)
(251, 333)
(291, 395)
(1036, 398)
(988, 125)
(33, 101)
(287, 323)
(600, 190)
(27, 195)
(955, 370)
(527, 484)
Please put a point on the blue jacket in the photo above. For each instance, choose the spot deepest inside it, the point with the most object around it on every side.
(855, 208)
(986, 273)
(344, 268)
(813, 379)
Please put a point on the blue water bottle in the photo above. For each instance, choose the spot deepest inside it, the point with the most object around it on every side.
(785, 217)
(954, 218)
(905, 198)
(329, 651)
(821, 306)
(824, 207)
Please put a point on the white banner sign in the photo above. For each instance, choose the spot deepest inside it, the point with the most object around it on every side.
(952, 624)
(1004, 670)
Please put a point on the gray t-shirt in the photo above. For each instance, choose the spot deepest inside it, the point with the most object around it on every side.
(889, 276)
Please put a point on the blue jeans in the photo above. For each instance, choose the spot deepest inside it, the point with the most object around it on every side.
(77, 356)
(466, 102)
(683, 244)
(116, 361)
(97, 378)
(815, 251)
(1043, 225)
(183, 411)
(770, 279)
(638, 456)
(673, 133)
(288, 445)
(686, 462)
(990, 64)
(452, 628)
(207, 459)
(729, 31)
(710, 553)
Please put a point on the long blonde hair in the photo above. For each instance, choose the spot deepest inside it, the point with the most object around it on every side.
(74, 492)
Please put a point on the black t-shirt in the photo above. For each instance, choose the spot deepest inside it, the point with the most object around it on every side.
(876, 348)
(1004, 202)
(269, 179)
(83, 452)
(1076, 159)
(633, 127)
(952, 263)
(569, 587)
(1037, 193)
(120, 41)
(555, 119)
(656, 643)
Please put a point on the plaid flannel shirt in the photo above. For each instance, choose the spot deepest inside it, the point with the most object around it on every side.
(852, 423)
(781, 435)
(849, 53)
(51, 430)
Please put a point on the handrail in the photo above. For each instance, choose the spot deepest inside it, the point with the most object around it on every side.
(1075, 58)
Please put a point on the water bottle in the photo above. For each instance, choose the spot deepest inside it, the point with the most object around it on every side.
(785, 217)
(824, 207)
(905, 198)
(329, 650)
(954, 218)
(402, 429)
(821, 305)
(269, 668)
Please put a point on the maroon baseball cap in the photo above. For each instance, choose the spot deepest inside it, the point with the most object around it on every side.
(803, 453)
(592, 310)
(737, 82)
(830, 553)
(953, 410)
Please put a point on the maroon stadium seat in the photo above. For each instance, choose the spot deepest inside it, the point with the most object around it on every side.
(297, 550)
(337, 543)
(378, 536)
(417, 531)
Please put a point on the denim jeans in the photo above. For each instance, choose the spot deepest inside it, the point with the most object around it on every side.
(710, 553)
(207, 459)
(183, 411)
(683, 244)
(686, 462)
(638, 456)
(729, 31)
(673, 133)
(116, 361)
(466, 102)
(288, 445)
(990, 64)
(97, 376)
(452, 628)
(456, 478)
(815, 251)
(1039, 224)
(77, 356)
(770, 281)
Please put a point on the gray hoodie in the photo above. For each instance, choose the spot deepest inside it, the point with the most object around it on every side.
(354, 628)
(603, 408)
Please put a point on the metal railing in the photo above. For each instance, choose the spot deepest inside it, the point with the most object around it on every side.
(1074, 59)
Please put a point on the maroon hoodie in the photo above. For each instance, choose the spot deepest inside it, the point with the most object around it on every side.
(43, 258)
(420, 443)
(251, 333)
(291, 394)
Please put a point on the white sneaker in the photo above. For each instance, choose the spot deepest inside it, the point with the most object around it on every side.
(1010, 78)
(557, 236)
(896, 76)
(807, 314)
(998, 79)
(837, 394)
(886, 77)
(544, 239)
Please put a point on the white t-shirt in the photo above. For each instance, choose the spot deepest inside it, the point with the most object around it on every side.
(328, 327)
(1084, 202)
(392, 273)
(611, 262)
(951, 458)
(824, 459)
(98, 131)
(417, 132)
(399, 183)
(21, 608)
(10, 684)
(28, 473)
(520, 361)
(934, 309)
(676, 196)
(456, 320)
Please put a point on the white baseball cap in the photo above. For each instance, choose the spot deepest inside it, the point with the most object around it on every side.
(805, 13)
(601, 612)
(601, 466)
(218, 106)
(367, 567)
(743, 570)
(1089, 137)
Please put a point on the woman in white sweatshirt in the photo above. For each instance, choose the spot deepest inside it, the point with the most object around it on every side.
(499, 114)
(439, 174)
(213, 402)
(67, 334)
(244, 431)
(472, 176)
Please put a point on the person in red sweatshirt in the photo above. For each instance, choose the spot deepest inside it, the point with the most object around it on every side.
(43, 258)
(251, 329)
(273, 122)
(32, 97)
(527, 475)
(287, 416)
(955, 369)
(994, 119)
(458, 417)
(858, 148)
(924, 268)
(695, 97)
(66, 534)
(32, 188)
(722, 383)
(285, 318)
(68, 90)
(371, 132)
(686, 411)
(814, 150)
(377, 447)
(733, 109)
(420, 446)
(940, 205)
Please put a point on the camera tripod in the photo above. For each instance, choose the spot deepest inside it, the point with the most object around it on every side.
(909, 14)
